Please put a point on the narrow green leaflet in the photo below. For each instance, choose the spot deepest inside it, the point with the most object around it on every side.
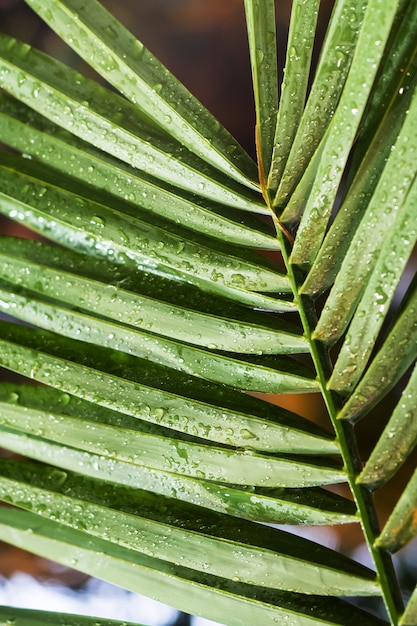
(397, 441)
(359, 194)
(267, 374)
(168, 454)
(292, 212)
(388, 204)
(13, 616)
(259, 424)
(63, 373)
(180, 587)
(123, 278)
(127, 65)
(32, 134)
(273, 560)
(160, 508)
(60, 275)
(310, 505)
(260, 21)
(373, 308)
(401, 526)
(397, 354)
(147, 314)
(394, 68)
(222, 368)
(409, 617)
(294, 87)
(220, 557)
(47, 358)
(342, 129)
(270, 336)
(335, 59)
(87, 226)
(293, 505)
(112, 124)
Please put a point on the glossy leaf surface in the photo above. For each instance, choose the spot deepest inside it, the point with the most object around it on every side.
(401, 526)
(134, 71)
(294, 87)
(55, 91)
(174, 584)
(336, 57)
(168, 294)
(260, 20)
(32, 134)
(397, 440)
(342, 129)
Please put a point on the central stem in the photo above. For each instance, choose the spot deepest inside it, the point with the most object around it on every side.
(346, 436)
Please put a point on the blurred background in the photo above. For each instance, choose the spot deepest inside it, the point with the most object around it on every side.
(203, 42)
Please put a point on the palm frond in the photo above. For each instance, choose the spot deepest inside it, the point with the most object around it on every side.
(148, 314)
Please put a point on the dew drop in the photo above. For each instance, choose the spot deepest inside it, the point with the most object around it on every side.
(238, 280)
(247, 434)
(97, 220)
(260, 55)
(158, 414)
(294, 56)
(137, 50)
(111, 63)
(110, 31)
(157, 88)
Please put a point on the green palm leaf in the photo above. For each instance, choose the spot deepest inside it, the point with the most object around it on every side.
(401, 526)
(410, 613)
(260, 20)
(27, 617)
(176, 584)
(294, 88)
(270, 506)
(335, 59)
(397, 440)
(30, 133)
(135, 72)
(57, 91)
(153, 316)
(149, 534)
(340, 134)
